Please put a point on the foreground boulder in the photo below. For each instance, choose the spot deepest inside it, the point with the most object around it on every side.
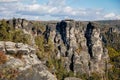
(22, 63)
(29, 68)
(13, 48)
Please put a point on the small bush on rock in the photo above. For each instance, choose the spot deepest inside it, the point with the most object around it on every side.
(3, 57)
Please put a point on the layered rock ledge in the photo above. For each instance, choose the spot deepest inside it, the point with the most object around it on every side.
(29, 67)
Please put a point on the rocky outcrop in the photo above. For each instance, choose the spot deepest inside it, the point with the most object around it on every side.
(11, 47)
(111, 36)
(98, 54)
(80, 45)
(29, 67)
(37, 72)
(72, 78)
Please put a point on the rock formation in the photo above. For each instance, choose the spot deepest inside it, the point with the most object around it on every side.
(81, 45)
(29, 67)
(14, 48)
(72, 78)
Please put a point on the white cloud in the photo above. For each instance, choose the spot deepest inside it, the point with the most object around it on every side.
(34, 7)
(8, 0)
(54, 9)
(110, 15)
(118, 16)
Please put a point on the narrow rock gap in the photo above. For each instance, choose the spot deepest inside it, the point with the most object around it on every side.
(72, 63)
(61, 29)
(47, 34)
(88, 34)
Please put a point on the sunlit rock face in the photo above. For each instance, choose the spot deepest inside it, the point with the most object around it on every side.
(80, 44)
(13, 48)
(27, 67)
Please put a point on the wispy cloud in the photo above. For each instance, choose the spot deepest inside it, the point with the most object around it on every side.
(8, 1)
(53, 9)
(112, 16)
(56, 2)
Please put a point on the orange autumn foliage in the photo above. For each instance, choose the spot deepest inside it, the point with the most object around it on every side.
(3, 57)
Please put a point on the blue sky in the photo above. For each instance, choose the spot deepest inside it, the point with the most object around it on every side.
(60, 9)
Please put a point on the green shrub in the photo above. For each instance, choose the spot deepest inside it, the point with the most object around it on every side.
(49, 47)
(7, 33)
(4, 31)
(112, 52)
(58, 65)
(95, 76)
(44, 49)
(39, 40)
(114, 72)
(39, 26)
(19, 36)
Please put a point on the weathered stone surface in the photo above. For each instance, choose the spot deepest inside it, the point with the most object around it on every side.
(14, 48)
(10, 47)
(29, 68)
(37, 72)
(81, 62)
(2, 46)
(23, 50)
(19, 45)
(72, 78)
(81, 45)
(14, 63)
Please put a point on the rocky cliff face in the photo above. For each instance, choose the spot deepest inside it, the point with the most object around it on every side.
(26, 67)
(80, 45)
